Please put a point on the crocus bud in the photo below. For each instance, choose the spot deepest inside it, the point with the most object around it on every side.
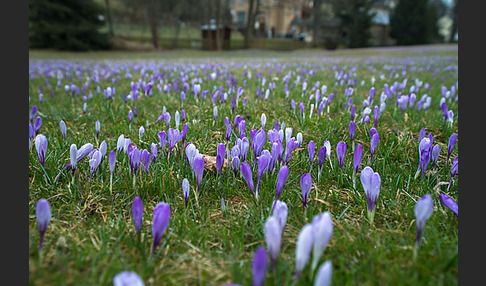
(323, 230)
(246, 172)
(340, 152)
(41, 148)
(324, 274)
(43, 214)
(137, 214)
(423, 210)
(282, 176)
(450, 146)
(127, 278)
(305, 241)
(198, 167)
(97, 128)
(185, 189)
(220, 153)
(280, 211)
(305, 185)
(449, 203)
(273, 237)
(352, 130)
(112, 161)
(371, 182)
(141, 131)
(311, 149)
(374, 143)
(259, 267)
(358, 154)
(160, 221)
(62, 126)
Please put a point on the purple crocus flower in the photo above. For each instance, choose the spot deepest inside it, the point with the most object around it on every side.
(454, 169)
(352, 131)
(423, 211)
(303, 249)
(235, 164)
(33, 113)
(353, 112)
(263, 162)
(41, 147)
(280, 211)
(311, 149)
(435, 154)
(160, 222)
(449, 203)
(37, 124)
(73, 153)
(220, 153)
(83, 151)
(97, 128)
(424, 155)
(43, 214)
(258, 142)
(324, 274)
(162, 139)
(450, 146)
(145, 159)
(259, 267)
(371, 182)
(340, 152)
(153, 150)
(228, 128)
(244, 146)
(94, 161)
(376, 115)
(31, 133)
(305, 186)
(263, 120)
(323, 230)
(126, 278)
(282, 176)
(185, 189)
(103, 148)
(141, 132)
(374, 143)
(358, 153)
(137, 214)
(198, 167)
(241, 128)
(245, 170)
(62, 126)
(130, 117)
(174, 137)
(184, 133)
(373, 131)
(273, 238)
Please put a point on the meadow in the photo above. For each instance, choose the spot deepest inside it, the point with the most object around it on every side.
(141, 103)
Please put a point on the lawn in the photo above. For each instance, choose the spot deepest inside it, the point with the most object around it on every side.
(91, 235)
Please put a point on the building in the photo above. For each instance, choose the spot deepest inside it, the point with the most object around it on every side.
(276, 18)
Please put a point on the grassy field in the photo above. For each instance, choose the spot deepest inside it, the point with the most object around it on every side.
(91, 236)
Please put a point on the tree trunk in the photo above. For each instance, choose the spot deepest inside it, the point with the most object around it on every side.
(454, 21)
(249, 25)
(218, 22)
(315, 29)
(152, 12)
(108, 18)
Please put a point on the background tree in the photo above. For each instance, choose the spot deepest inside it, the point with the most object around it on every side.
(66, 25)
(414, 22)
(356, 20)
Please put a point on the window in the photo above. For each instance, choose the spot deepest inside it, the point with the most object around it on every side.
(240, 17)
